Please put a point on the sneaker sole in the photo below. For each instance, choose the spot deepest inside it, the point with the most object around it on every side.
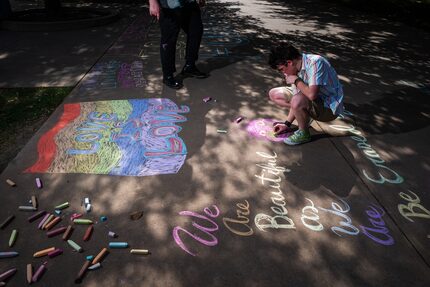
(293, 143)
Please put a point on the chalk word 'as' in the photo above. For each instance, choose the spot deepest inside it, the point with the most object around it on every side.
(239, 225)
(310, 213)
(378, 230)
(371, 154)
(407, 211)
(206, 230)
(264, 221)
(347, 226)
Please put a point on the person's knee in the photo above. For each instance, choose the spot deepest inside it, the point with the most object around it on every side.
(275, 94)
(299, 102)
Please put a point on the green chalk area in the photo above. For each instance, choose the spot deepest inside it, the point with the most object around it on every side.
(22, 112)
(411, 12)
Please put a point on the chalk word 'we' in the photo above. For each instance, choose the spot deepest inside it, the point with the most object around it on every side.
(378, 230)
(206, 230)
(310, 213)
(347, 224)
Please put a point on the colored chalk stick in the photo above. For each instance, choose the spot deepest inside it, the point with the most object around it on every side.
(52, 223)
(62, 206)
(239, 119)
(56, 231)
(95, 266)
(38, 183)
(74, 245)
(54, 253)
(100, 256)
(90, 257)
(57, 212)
(112, 234)
(29, 273)
(207, 99)
(7, 221)
(88, 233)
(103, 218)
(36, 216)
(9, 273)
(75, 216)
(13, 237)
(221, 131)
(82, 221)
(43, 252)
(34, 201)
(68, 232)
(82, 272)
(26, 208)
(51, 216)
(44, 219)
(139, 251)
(39, 272)
(10, 182)
(8, 254)
(118, 244)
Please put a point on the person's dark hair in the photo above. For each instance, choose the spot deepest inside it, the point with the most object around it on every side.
(281, 53)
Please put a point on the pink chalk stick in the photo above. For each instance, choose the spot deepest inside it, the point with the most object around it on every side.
(39, 272)
(43, 220)
(38, 183)
(56, 231)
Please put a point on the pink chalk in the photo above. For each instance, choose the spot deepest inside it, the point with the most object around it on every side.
(54, 253)
(75, 215)
(43, 220)
(38, 183)
(207, 99)
(239, 119)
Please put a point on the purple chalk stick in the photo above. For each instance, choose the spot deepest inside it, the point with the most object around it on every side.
(43, 220)
(54, 253)
(8, 254)
(207, 99)
(56, 231)
(239, 119)
(39, 272)
(38, 183)
(36, 216)
(7, 274)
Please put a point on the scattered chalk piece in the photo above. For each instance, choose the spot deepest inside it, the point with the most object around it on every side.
(239, 119)
(140, 251)
(38, 183)
(220, 131)
(118, 244)
(95, 266)
(7, 221)
(103, 218)
(10, 182)
(207, 99)
(112, 234)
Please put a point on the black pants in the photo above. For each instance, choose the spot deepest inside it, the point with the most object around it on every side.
(187, 18)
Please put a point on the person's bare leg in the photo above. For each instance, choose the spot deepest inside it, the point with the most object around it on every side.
(299, 109)
(277, 95)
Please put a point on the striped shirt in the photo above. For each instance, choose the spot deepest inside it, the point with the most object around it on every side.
(316, 70)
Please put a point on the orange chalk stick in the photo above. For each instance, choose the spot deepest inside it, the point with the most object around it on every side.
(52, 223)
(88, 233)
(43, 252)
(100, 256)
(68, 232)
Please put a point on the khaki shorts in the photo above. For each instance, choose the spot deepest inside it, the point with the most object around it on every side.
(316, 109)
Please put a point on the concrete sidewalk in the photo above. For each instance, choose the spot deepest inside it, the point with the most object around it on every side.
(236, 209)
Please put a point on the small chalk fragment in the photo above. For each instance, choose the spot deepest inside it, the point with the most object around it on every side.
(103, 218)
(90, 257)
(36, 216)
(29, 273)
(82, 221)
(13, 237)
(8, 254)
(62, 206)
(74, 245)
(52, 223)
(39, 272)
(68, 232)
(26, 208)
(10, 182)
(54, 253)
(75, 216)
(140, 251)
(88, 233)
(38, 183)
(95, 266)
(82, 272)
(34, 201)
(239, 119)
(86, 201)
(9, 273)
(43, 252)
(118, 244)
(44, 219)
(221, 131)
(57, 212)
(56, 231)
(51, 216)
(112, 234)
(100, 256)
(7, 221)
(88, 208)
(207, 99)
(136, 215)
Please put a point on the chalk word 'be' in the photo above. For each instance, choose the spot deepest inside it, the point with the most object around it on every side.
(206, 230)
(407, 211)
(375, 214)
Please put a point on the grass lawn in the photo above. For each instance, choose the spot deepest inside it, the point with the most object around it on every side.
(22, 112)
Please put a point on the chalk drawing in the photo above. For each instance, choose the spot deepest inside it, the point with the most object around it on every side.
(263, 129)
(378, 232)
(414, 203)
(125, 137)
(310, 213)
(239, 225)
(346, 226)
(206, 230)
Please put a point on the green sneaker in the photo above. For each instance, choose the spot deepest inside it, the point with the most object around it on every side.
(299, 137)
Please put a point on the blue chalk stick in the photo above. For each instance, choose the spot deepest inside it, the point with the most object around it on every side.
(118, 244)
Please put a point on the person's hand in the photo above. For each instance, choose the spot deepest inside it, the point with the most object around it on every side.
(202, 3)
(279, 129)
(154, 9)
(290, 79)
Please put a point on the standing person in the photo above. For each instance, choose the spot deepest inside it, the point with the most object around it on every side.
(315, 91)
(173, 16)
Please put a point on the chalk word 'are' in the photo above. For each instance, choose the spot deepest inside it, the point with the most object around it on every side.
(346, 226)
(207, 230)
(372, 155)
(378, 232)
(270, 174)
(239, 225)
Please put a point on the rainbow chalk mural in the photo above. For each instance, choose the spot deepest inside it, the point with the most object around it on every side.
(124, 137)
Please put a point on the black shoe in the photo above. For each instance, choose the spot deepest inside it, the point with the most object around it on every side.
(171, 82)
(192, 71)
